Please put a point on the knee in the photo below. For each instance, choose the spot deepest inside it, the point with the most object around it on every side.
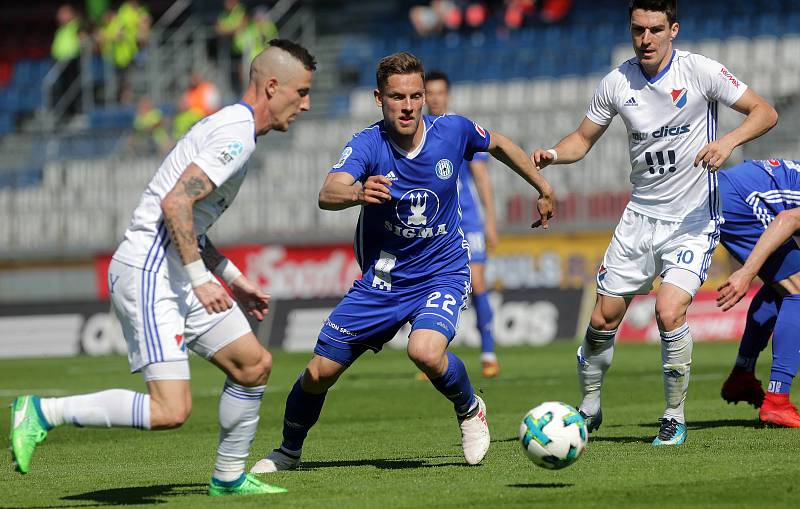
(670, 317)
(169, 415)
(429, 360)
(255, 373)
(478, 286)
(316, 380)
(602, 322)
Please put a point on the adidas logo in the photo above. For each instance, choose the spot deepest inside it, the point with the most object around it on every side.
(631, 102)
(391, 176)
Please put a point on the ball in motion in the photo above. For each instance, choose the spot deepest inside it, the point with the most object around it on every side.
(553, 435)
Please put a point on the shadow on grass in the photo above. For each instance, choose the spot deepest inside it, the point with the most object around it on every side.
(540, 485)
(138, 495)
(383, 464)
(621, 440)
(719, 423)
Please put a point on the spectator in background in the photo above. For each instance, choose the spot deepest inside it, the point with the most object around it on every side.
(150, 130)
(200, 100)
(66, 50)
(554, 11)
(117, 45)
(136, 22)
(95, 9)
(517, 11)
(231, 21)
(431, 19)
(255, 36)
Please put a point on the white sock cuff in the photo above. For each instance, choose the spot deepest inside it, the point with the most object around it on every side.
(243, 392)
(599, 337)
(675, 335)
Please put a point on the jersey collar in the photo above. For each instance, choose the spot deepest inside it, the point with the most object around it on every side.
(414, 153)
(253, 113)
(659, 75)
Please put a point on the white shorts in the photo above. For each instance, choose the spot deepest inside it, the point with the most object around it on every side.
(644, 248)
(161, 318)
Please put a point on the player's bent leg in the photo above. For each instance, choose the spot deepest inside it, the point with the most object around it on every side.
(742, 384)
(33, 417)
(672, 301)
(596, 353)
(427, 348)
(777, 408)
(170, 403)
(303, 408)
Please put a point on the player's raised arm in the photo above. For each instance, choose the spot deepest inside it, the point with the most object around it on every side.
(177, 206)
(761, 117)
(571, 148)
(510, 154)
(786, 224)
(340, 191)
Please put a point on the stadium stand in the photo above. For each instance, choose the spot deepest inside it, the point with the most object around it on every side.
(65, 189)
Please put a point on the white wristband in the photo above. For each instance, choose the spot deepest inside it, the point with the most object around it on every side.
(227, 271)
(555, 154)
(197, 272)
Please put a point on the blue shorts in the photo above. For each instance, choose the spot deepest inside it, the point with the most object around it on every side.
(368, 318)
(477, 245)
(741, 230)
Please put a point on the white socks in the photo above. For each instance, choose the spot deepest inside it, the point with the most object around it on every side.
(594, 359)
(676, 356)
(238, 420)
(106, 409)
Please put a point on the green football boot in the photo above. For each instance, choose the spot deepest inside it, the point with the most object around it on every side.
(247, 484)
(28, 429)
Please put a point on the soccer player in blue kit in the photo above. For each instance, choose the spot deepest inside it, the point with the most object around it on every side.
(477, 221)
(761, 207)
(402, 172)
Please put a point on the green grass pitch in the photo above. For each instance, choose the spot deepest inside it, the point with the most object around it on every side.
(387, 440)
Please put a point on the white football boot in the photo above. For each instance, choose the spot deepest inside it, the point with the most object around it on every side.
(276, 461)
(475, 434)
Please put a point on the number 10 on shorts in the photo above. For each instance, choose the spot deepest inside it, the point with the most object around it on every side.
(686, 257)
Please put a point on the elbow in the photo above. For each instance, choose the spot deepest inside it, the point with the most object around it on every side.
(773, 117)
(323, 202)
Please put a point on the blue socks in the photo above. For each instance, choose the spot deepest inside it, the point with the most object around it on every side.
(302, 412)
(761, 317)
(455, 385)
(786, 346)
(483, 310)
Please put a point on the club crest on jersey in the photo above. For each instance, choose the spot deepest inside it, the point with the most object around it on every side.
(444, 169)
(417, 210)
(679, 98)
(345, 154)
(480, 130)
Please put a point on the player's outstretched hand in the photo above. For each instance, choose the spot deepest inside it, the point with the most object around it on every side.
(542, 157)
(732, 290)
(375, 190)
(546, 207)
(713, 155)
(491, 237)
(213, 297)
(254, 302)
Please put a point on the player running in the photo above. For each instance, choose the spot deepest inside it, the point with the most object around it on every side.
(761, 206)
(477, 221)
(403, 172)
(668, 100)
(167, 300)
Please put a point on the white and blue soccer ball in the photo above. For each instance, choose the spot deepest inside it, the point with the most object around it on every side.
(553, 435)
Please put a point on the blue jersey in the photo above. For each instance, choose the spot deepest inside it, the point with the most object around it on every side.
(417, 234)
(471, 210)
(753, 194)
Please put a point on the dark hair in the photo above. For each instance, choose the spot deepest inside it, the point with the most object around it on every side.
(297, 51)
(437, 75)
(398, 63)
(668, 7)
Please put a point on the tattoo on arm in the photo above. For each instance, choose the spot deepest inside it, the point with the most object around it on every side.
(210, 255)
(194, 187)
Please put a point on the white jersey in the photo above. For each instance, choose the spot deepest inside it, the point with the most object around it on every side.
(220, 145)
(669, 118)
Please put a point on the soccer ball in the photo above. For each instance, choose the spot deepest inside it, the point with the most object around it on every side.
(553, 435)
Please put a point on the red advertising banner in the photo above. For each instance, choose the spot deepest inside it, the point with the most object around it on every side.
(707, 321)
(284, 272)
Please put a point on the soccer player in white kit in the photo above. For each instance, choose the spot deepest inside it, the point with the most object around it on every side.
(164, 294)
(668, 100)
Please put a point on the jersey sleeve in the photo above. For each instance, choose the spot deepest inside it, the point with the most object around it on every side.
(717, 82)
(477, 138)
(602, 107)
(355, 158)
(481, 156)
(225, 151)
